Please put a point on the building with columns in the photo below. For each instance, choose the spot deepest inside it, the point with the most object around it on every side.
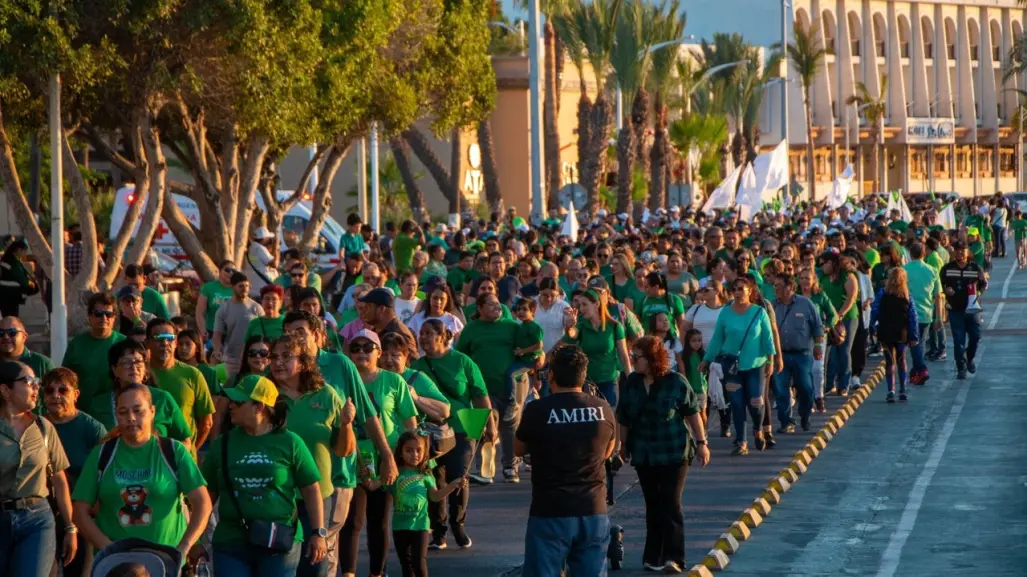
(951, 123)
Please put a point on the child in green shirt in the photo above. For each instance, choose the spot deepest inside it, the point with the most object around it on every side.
(529, 336)
(1019, 226)
(691, 355)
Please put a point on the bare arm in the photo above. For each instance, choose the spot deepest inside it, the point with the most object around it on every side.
(434, 408)
(622, 354)
(441, 493)
(220, 414)
(520, 449)
(201, 314)
(199, 513)
(345, 441)
(373, 428)
(203, 427)
(87, 525)
(851, 293)
(410, 424)
(62, 494)
(317, 548)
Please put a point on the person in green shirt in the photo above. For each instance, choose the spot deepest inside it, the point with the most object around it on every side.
(352, 241)
(212, 295)
(842, 288)
(589, 325)
(485, 286)
(87, 353)
(463, 273)
(268, 326)
(1019, 226)
(978, 247)
(924, 286)
(183, 382)
(263, 470)
(153, 301)
(138, 493)
(297, 273)
(12, 347)
(460, 380)
(430, 402)
(659, 299)
(407, 242)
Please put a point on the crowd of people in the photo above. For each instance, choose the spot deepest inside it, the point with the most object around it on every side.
(295, 409)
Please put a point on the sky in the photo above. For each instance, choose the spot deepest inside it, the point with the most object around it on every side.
(758, 21)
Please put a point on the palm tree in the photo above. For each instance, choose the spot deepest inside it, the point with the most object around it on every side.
(806, 54)
(569, 25)
(670, 26)
(702, 135)
(630, 60)
(490, 174)
(874, 108)
(596, 25)
(401, 157)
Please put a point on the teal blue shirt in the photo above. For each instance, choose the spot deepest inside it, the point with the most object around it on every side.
(924, 284)
(731, 329)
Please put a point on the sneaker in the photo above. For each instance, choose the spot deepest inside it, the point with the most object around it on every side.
(652, 568)
(461, 538)
(971, 366)
(527, 467)
(855, 383)
(961, 374)
(942, 356)
(925, 376)
(740, 449)
(805, 423)
(841, 392)
(479, 479)
(916, 378)
(511, 476)
(725, 431)
(671, 567)
(903, 397)
(437, 543)
(821, 405)
(891, 397)
(789, 428)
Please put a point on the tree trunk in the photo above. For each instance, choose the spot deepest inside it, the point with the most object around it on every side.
(561, 52)
(139, 133)
(322, 201)
(550, 121)
(584, 143)
(640, 125)
(414, 195)
(186, 236)
(423, 151)
(268, 188)
(625, 165)
(490, 174)
(456, 149)
(158, 172)
(79, 288)
(811, 173)
(256, 150)
(658, 158)
(599, 119)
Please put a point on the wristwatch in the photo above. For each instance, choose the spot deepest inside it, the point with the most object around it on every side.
(701, 442)
(322, 532)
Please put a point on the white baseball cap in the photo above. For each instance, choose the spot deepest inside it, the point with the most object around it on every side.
(262, 233)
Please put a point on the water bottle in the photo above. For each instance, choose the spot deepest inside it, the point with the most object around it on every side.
(203, 569)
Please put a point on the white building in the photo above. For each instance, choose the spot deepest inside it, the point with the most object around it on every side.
(950, 115)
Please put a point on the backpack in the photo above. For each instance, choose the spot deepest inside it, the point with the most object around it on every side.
(167, 450)
(893, 320)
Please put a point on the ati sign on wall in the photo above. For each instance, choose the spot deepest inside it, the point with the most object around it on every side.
(930, 131)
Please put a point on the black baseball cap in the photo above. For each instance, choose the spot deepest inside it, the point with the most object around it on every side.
(379, 296)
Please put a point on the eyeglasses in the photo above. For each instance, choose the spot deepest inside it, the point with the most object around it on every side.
(637, 356)
(132, 364)
(32, 381)
(12, 332)
(281, 359)
(366, 348)
(258, 353)
(297, 275)
(164, 338)
(604, 255)
(102, 314)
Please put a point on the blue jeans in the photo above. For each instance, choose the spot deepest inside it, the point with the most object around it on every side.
(305, 567)
(746, 396)
(799, 370)
(999, 236)
(918, 351)
(839, 359)
(240, 560)
(28, 540)
(966, 333)
(579, 543)
(936, 337)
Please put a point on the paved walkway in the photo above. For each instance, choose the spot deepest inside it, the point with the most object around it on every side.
(937, 486)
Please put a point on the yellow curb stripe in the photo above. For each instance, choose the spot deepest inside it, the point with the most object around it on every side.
(716, 559)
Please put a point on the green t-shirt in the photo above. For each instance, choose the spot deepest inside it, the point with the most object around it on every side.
(210, 374)
(471, 309)
(424, 387)
(270, 329)
(79, 436)
(341, 374)
(600, 346)
(828, 314)
(138, 495)
(87, 356)
(188, 387)
(529, 334)
(669, 303)
(458, 277)
(266, 473)
(391, 398)
(978, 254)
(153, 303)
(350, 242)
(934, 259)
(924, 286)
(873, 257)
(898, 225)
(1019, 227)
(836, 293)
(217, 294)
(459, 379)
(40, 364)
(167, 422)
(976, 220)
(410, 501)
(403, 249)
(314, 416)
(490, 345)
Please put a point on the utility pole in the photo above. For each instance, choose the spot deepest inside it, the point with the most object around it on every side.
(784, 89)
(535, 89)
(59, 316)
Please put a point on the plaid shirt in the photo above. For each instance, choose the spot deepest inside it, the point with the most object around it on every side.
(73, 258)
(658, 435)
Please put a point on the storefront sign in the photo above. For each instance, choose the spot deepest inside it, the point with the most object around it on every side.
(930, 131)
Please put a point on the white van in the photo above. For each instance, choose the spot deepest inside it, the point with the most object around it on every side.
(325, 253)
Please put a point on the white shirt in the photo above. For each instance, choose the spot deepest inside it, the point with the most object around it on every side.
(704, 319)
(674, 349)
(551, 321)
(258, 261)
(405, 308)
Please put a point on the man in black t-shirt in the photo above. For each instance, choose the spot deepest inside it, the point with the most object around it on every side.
(569, 435)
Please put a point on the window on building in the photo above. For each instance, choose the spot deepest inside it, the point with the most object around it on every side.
(985, 163)
(855, 47)
(918, 163)
(942, 163)
(963, 161)
(1007, 161)
(880, 48)
(952, 51)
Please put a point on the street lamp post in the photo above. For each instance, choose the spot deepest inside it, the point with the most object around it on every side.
(535, 89)
(374, 177)
(59, 316)
(784, 87)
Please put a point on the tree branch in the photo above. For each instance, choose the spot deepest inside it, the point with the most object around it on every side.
(85, 280)
(322, 200)
(256, 150)
(105, 149)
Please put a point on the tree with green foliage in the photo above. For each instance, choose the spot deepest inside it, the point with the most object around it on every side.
(875, 108)
(807, 54)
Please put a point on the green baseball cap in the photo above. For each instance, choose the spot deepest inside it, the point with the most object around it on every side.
(253, 388)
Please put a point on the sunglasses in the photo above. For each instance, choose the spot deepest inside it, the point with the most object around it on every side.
(164, 337)
(297, 275)
(366, 348)
(258, 353)
(12, 332)
(62, 391)
(31, 381)
(101, 314)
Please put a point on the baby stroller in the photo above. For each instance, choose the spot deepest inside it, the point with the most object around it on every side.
(159, 560)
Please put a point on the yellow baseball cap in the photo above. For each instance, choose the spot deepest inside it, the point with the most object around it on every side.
(253, 388)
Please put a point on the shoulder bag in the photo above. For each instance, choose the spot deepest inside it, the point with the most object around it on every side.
(441, 437)
(729, 363)
(269, 535)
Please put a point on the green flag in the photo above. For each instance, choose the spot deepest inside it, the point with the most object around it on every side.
(473, 421)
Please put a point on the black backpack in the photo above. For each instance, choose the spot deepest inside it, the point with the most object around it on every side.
(167, 450)
(893, 319)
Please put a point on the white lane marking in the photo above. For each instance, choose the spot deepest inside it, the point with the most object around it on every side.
(1005, 293)
(893, 554)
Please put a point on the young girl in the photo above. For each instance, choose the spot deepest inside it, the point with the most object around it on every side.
(691, 355)
(411, 492)
(893, 319)
(659, 327)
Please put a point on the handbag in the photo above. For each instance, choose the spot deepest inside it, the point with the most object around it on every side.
(441, 437)
(274, 537)
(729, 363)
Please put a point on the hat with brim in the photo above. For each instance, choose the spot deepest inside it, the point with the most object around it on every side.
(262, 233)
(253, 388)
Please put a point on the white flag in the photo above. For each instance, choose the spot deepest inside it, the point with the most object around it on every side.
(897, 202)
(771, 170)
(570, 224)
(840, 188)
(724, 195)
(947, 217)
(748, 200)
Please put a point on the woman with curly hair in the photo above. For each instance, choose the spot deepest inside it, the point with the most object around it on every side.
(324, 423)
(658, 412)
